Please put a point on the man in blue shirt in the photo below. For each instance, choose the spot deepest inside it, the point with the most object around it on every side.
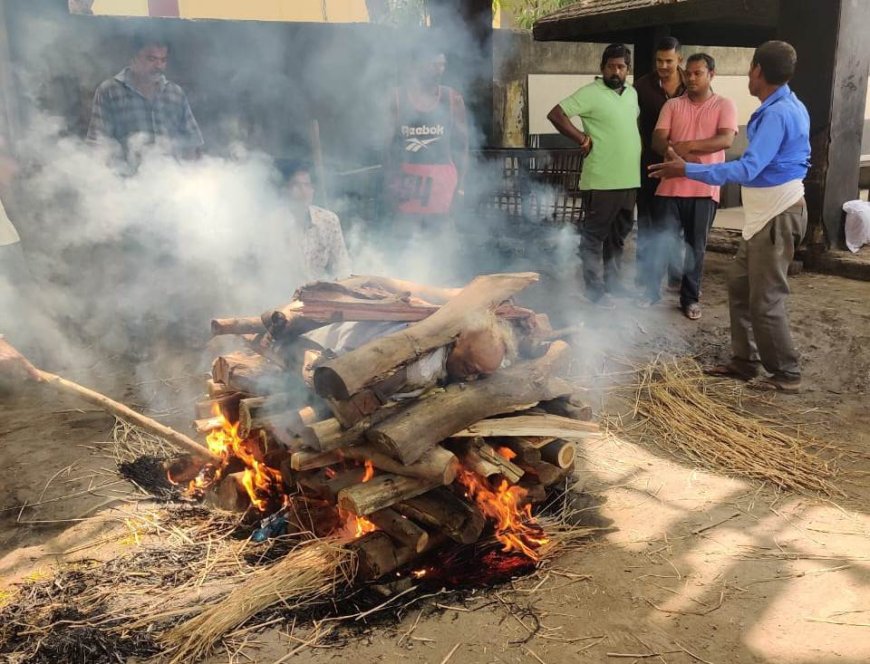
(771, 174)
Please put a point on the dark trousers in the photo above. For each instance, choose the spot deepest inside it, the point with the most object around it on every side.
(693, 217)
(757, 294)
(608, 216)
(646, 237)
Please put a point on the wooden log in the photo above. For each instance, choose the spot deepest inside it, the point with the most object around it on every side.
(382, 491)
(217, 389)
(221, 326)
(248, 372)
(400, 528)
(229, 494)
(547, 473)
(560, 453)
(276, 413)
(378, 554)
(182, 469)
(434, 294)
(442, 509)
(511, 472)
(227, 404)
(535, 491)
(424, 423)
(542, 425)
(438, 464)
(348, 374)
(525, 451)
(209, 424)
(310, 460)
(329, 434)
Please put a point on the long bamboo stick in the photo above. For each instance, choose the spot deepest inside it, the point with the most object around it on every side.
(120, 410)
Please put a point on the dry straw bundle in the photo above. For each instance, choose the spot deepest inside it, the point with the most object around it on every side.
(673, 401)
(311, 571)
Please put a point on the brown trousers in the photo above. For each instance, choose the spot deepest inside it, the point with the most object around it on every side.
(757, 294)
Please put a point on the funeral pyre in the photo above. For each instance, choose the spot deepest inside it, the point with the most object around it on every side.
(403, 416)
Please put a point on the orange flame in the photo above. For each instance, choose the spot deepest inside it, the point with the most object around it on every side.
(515, 527)
(355, 526)
(369, 472)
(507, 453)
(258, 478)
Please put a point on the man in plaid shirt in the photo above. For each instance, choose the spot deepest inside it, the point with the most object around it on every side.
(139, 107)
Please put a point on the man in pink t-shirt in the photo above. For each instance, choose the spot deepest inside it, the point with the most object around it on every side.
(700, 126)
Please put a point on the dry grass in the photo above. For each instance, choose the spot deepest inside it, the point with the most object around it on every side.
(675, 408)
(311, 571)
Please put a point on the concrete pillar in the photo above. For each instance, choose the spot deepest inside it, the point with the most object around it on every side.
(833, 64)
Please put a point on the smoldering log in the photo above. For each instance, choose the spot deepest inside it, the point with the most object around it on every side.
(274, 412)
(182, 469)
(209, 424)
(382, 491)
(438, 464)
(229, 494)
(216, 389)
(221, 326)
(486, 462)
(547, 473)
(330, 487)
(346, 375)
(400, 528)
(526, 452)
(407, 435)
(248, 372)
(226, 404)
(378, 554)
(443, 510)
(329, 434)
(560, 453)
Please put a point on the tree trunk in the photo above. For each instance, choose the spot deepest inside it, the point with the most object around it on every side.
(221, 326)
(426, 422)
(541, 425)
(348, 374)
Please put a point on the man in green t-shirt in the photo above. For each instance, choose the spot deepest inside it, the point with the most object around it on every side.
(610, 142)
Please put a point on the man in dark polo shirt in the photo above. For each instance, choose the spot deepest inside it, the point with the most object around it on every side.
(665, 82)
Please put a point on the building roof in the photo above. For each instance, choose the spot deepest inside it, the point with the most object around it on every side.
(711, 22)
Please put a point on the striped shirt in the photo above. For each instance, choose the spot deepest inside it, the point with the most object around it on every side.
(121, 113)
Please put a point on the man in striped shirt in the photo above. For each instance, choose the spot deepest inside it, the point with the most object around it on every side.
(139, 107)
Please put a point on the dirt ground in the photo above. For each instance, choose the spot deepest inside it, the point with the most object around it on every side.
(696, 566)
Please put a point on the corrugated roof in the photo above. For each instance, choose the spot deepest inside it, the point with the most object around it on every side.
(585, 8)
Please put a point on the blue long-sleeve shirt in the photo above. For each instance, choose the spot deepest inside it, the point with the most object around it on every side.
(779, 147)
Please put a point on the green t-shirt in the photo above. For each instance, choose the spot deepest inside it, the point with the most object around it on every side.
(610, 119)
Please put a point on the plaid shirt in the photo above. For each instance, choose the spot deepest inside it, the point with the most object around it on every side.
(122, 113)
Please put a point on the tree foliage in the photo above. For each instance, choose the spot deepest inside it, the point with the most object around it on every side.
(526, 12)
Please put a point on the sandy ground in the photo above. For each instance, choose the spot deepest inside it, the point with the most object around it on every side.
(697, 567)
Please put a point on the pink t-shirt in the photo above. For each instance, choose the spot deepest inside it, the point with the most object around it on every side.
(686, 120)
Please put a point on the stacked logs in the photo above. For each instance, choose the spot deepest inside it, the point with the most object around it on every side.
(332, 428)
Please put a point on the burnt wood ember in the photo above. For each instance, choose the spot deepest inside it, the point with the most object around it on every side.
(442, 509)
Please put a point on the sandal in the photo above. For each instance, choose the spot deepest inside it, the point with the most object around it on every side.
(773, 384)
(732, 370)
(692, 311)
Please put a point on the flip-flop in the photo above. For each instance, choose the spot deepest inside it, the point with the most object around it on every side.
(729, 371)
(771, 384)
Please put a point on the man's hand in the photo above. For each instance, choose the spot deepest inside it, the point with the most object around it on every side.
(14, 364)
(586, 145)
(673, 167)
(684, 149)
